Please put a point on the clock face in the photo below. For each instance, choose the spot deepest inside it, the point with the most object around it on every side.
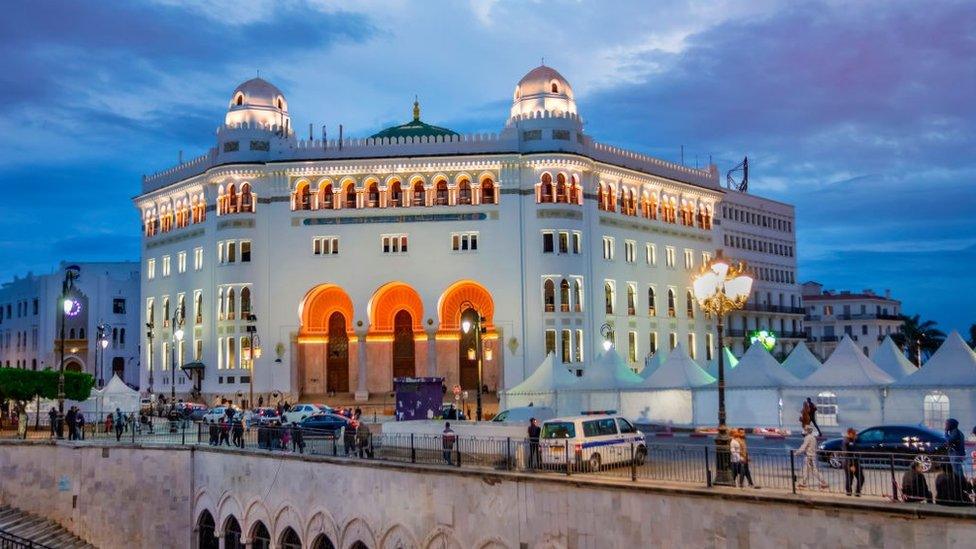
(74, 309)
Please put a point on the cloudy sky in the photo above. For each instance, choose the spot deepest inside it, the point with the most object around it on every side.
(862, 114)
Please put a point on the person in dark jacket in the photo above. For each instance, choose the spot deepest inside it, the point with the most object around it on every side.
(447, 442)
(812, 410)
(297, 438)
(914, 487)
(956, 445)
(534, 432)
(53, 417)
(349, 437)
(952, 489)
(852, 464)
(70, 419)
(237, 432)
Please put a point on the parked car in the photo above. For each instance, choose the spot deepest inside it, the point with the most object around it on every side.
(217, 413)
(262, 416)
(197, 413)
(190, 409)
(451, 411)
(591, 441)
(298, 412)
(324, 424)
(904, 443)
(523, 414)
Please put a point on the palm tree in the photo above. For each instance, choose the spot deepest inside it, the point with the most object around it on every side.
(918, 338)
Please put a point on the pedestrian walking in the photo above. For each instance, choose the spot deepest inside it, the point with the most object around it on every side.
(952, 489)
(812, 411)
(914, 487)
(297, 438)
(109, 422)
(363, 437)
(80, 421)
(745, 474)
(955, 445)
(852, 464)
(224, 432)
(447, 442)
(349, 436)
(285, 438)
(53, 417)
(735, 458)
(808, 451)
(70, 418)
(119, 423)
(238, 434)
(534, 432)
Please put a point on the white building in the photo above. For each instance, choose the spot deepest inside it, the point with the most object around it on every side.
(762, 232)
(31, 313)
(866, 317)
(354, 260)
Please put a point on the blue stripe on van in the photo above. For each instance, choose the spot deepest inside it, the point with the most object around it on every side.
(612, 442)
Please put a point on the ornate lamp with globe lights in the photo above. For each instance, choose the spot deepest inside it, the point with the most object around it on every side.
(607, 332)
(70, 307)
(474, 353)
(720, 289)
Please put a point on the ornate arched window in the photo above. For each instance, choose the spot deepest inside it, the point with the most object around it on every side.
(373, 195)
(441, 195)
(574, 194)
(326, 198)
(418, 194)
(549, 295)
(608, 297)
(303, 197)
(545, 188)
(350, 196)
(231, 304)
(631, 300)
(564, 296)
(554, 88)
(601, 197)
(577, 295)
(561, 194)
(611, 199)
(488, 195)
(245, 303)
(651, 302)
(231, 199)
(220, 304)
(396, 195)
(165, 312)
(690, 304)
(247, 199)
(671, 307)
(464, 192)
(198, 309)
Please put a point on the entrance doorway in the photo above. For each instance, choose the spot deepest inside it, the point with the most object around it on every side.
(468, 367)
(118, 367)
(337, 352)
(403, 347)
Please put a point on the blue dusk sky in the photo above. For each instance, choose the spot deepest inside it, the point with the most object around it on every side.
(862, 114)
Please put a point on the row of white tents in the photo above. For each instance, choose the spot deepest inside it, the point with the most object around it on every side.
(850, 389)
(116, 394)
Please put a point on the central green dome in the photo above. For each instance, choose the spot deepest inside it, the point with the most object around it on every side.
(414, 128)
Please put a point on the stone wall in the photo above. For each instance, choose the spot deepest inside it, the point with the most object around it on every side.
(150, 496)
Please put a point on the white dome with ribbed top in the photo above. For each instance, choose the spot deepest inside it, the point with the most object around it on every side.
(542, 89)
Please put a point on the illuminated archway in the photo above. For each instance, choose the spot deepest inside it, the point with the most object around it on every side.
(390, 299)
(449, 306)
(319, 304)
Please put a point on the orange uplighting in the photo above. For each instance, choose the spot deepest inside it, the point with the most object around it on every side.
(318, 306)
(390, 299)
(449, 308)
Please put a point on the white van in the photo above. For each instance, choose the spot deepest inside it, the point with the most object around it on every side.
(591, 440)
(523, 414)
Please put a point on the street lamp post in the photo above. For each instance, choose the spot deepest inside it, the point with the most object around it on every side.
(101, 342)
(720, 289)
(149, 355)
(69, 307)
(177, 340)
(478, 325)
(254, 351)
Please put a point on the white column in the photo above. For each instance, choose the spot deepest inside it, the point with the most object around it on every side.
(361, 393)
(431, 351)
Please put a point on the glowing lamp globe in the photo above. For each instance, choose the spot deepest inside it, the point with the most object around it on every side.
(607, 344)
(466, 326)
(103, 343)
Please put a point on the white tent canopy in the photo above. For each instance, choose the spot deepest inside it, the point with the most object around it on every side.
(758, 368)
(653, 363)
(609, 372)
(953, 365)
(847, 367)
(889, 358)
(116, 394)
(730, 363)
(679, 371)
(801, 362)
(546, 378)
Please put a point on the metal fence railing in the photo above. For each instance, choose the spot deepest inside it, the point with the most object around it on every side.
(894, 477)
(13, 541)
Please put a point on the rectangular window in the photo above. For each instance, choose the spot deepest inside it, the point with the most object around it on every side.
(577, 242)
(608, 248)
(652, 343)
(578, 346)
(220, 253)
(670, 257)
(325, 245)
(245, 251)
(651, 254)
(548, 245)
(198, 259)
(181, 262)
(150, 269)
(706, 258)
(672, 340)
(166, 265)
(464, 242)
(564, 346)
(231, 252)
(394, 243)
(689, 259)
(550, 342)
(118, 305)
(632, 347)
(692, 351)
(198, 350)
(563, 242)
(629, 251)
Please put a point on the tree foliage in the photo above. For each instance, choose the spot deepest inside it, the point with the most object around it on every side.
(918, 337)
(23, 385)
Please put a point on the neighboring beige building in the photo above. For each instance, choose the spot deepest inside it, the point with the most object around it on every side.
(867, 317)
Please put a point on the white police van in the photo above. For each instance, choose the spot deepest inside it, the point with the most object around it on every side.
(592, 440)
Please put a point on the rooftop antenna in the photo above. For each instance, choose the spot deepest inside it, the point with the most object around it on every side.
(734, 183)
(543, 62)
(682, 155)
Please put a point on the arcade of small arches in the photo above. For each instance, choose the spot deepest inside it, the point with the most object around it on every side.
(340, 354)
(228, 525)
(170, 215)
(654, 205)
(394, 192)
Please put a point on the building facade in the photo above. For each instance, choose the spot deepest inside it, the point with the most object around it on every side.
(867, 317)
(350, 262)
(762, 232)
(107, 296)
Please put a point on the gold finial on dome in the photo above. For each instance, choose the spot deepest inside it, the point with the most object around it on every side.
(416, 109)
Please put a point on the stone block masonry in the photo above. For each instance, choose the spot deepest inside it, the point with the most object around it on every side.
(132, 496)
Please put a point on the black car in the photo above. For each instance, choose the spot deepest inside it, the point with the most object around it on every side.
(324, 424)
(903, 443)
